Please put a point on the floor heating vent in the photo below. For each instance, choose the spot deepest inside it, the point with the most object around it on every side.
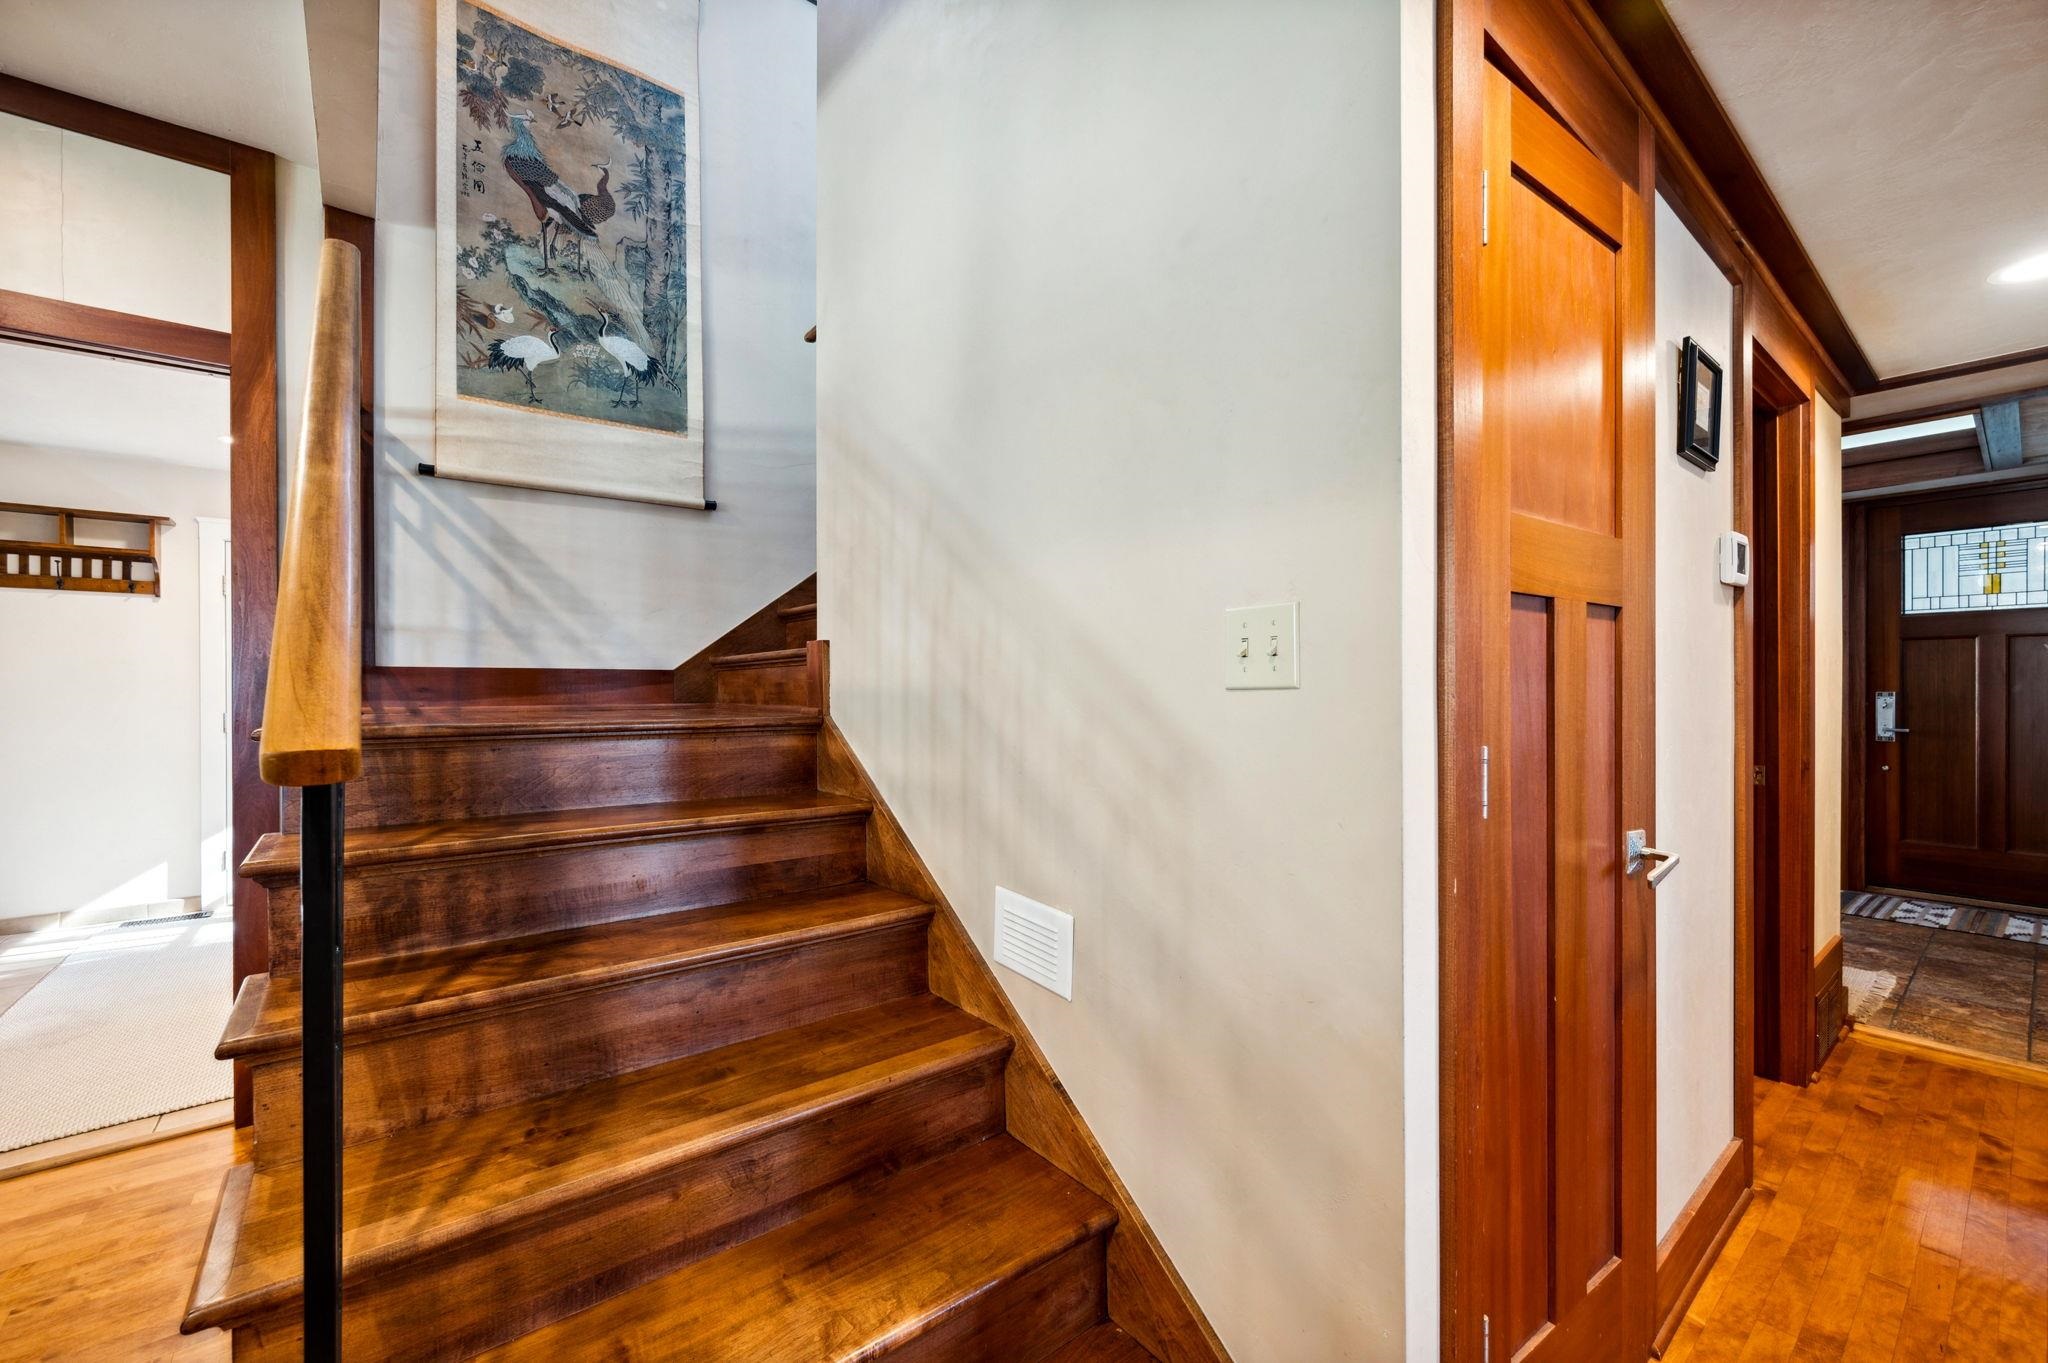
(168, 918)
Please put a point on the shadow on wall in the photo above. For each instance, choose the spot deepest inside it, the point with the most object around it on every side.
(454, 531)
(507, 576)
(1009, 741)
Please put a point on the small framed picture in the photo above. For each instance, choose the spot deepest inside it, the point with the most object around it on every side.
(1699, 406)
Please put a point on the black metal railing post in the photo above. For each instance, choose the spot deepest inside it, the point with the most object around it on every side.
(320, 843)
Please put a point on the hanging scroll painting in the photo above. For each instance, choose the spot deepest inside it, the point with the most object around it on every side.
(570, 347)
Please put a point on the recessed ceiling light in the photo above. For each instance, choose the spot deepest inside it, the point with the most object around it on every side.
(2032, 270)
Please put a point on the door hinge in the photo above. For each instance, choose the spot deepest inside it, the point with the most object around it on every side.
(1756, 776)
(1485, 207)
(1485, 779)
(1486, 1339)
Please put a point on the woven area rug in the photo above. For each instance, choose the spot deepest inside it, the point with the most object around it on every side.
(1869, 991)
(2008, 924)
(123, 1028)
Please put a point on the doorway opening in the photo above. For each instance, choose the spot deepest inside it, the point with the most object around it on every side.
(1944, 941)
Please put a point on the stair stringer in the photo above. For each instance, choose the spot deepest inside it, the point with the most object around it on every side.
(1147, 1296)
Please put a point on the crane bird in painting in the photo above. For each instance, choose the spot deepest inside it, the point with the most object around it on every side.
(555, 205)
(636, 366)
(526, 354)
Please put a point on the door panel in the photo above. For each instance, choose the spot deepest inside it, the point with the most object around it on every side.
(1588, 970)
(1958, 805)
(1563, 362)
(1937, 771)
(1525, 969)
(2026, 729)
(1566, 491)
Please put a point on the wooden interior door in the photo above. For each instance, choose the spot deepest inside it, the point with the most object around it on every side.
(1957, 805)
(1564, 1118)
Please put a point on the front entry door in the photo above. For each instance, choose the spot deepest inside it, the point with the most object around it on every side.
(1958, 629)
(1565, 1108)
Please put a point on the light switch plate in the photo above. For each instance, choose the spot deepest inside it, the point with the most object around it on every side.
(1260, 647)
(1036, 941)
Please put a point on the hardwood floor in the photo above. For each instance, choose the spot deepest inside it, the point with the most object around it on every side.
(1901, 1214)
(96, 1257)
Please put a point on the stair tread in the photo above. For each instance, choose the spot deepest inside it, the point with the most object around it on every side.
(807, 611)
(1104, 1344)
(772, 657)
(429, 720)
(849, 1280)
(277, 854)
(394, 991)
(438, 1185)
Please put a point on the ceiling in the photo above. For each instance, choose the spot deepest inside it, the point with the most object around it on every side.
(1904, 142)
(234, 68)
(96, 405)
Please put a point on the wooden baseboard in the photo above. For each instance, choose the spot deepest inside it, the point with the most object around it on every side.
(1830, 1001)
(1688, 1251)
(758, 633)
(2019, 1071)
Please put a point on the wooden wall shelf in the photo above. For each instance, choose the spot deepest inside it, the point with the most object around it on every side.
(59, 563)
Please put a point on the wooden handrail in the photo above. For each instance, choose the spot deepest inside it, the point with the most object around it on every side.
(312, 705)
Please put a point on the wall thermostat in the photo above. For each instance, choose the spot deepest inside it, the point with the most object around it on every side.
(1732, 550)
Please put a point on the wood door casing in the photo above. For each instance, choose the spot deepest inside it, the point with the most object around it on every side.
(1780, 601)
(1561, 1068)
(1958, 806)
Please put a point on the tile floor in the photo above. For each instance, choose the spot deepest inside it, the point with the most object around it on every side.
(1986, 994)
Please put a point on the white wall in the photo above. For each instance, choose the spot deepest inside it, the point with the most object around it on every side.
(1827, 673)
(475, 575)
(1111, 328)
(113, 227)
(101, 805)
(1696, 627)
(1421, 1039)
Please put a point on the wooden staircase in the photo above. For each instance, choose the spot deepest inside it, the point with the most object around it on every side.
(643, 1060)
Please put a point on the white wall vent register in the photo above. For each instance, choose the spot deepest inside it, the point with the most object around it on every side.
(1035, 941)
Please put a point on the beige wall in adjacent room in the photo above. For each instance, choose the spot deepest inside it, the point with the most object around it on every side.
(1111, 341)
(101, 808)
(1696, 626)
(475, 575)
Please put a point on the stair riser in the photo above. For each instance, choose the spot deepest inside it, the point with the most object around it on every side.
(420, 781)
(795, 632)
(480, 1295)
(772, 684)
(1026, 1317)
(395, 909)
(482, 1060)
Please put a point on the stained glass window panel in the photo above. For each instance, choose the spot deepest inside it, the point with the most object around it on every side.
(1998, 567)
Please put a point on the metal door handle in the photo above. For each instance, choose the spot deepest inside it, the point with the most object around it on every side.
(1900, 729)
(1636, 843)
(1667, 862)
